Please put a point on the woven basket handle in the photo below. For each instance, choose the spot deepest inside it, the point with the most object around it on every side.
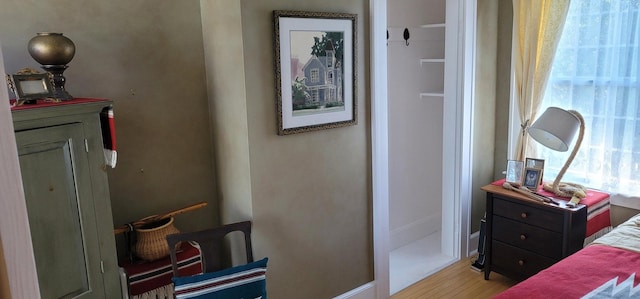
(126, 228)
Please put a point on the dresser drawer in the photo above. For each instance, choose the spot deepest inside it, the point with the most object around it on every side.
(522, 263)
(532, 238)
(530, 214)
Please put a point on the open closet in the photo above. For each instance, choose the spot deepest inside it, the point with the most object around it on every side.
(416, 54)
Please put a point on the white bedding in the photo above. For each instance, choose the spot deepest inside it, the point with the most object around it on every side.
(625, 236)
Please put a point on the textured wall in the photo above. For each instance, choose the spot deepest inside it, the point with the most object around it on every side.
(503, 87)
(484, 107)
(308, 193)
(147, 56)
(5, 292)
(4, 277)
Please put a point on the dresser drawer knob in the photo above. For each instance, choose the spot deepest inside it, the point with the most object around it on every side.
(523, 215)
(523, 237)
(521, 262)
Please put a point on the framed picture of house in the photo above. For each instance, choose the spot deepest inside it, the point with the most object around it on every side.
(315, 73)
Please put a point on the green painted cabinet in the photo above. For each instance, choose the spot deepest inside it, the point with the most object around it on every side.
(67, 196)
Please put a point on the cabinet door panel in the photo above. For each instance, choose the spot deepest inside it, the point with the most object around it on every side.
(54, 169)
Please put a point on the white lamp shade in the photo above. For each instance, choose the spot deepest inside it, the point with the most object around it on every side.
(555, 128)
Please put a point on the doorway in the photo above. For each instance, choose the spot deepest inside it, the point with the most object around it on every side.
(428, 217)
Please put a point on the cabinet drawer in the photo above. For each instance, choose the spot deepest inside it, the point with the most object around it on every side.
(530, 214)
(518, 261)
(532, 238)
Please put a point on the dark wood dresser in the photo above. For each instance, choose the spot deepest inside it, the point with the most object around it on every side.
(524, 236)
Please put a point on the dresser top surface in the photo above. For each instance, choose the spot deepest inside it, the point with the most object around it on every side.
(45, 109)
(499, 190)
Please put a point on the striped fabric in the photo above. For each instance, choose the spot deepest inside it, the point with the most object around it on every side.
(598, 211)
(246, 281)
(143, 277)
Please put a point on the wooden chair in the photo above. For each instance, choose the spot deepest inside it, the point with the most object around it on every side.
(211, 243)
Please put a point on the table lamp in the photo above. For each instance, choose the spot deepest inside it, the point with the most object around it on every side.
(555, 129)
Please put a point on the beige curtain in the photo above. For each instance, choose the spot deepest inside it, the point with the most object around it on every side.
(537, 26)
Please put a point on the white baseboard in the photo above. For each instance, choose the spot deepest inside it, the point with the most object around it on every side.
(366, 291)
(414, 231)
(474, 239)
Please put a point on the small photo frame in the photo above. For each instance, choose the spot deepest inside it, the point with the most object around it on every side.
(514, 172)
(537, 164)
(28, 87)
(534, 163)
(532, 178)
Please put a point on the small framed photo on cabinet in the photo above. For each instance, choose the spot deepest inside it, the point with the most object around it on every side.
(514, 172)
(30, 86)
(532, 178)
(534, 163)
(537, 164)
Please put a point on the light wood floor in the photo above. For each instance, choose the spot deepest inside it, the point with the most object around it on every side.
(457, 281)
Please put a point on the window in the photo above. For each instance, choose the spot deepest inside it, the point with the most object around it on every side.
(595, 72)
(315, 76)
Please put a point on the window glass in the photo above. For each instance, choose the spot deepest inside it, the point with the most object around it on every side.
(315, 76)
(595, 72)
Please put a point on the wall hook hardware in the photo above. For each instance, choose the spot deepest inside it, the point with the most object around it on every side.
(387, 37)
(405, 34)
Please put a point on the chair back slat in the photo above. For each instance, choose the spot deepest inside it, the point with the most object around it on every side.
(211, 243)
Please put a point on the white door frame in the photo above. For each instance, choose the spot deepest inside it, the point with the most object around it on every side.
(458, 110)
(17, 249)
(460, 36)
(380, 147)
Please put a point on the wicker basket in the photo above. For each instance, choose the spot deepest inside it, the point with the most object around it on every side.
(152, 243)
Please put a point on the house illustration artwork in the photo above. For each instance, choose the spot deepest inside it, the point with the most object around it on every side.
(321, 83)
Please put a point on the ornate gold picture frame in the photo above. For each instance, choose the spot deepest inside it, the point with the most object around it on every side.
(315, 70)
(33, 86)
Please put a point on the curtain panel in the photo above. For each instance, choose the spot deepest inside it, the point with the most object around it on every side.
(537, 27)
(597, 72)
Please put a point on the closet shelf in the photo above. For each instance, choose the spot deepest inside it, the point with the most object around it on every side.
(432, 94)
(431, 60)
(436, 25)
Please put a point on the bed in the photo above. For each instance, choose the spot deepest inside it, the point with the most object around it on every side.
(609, 267)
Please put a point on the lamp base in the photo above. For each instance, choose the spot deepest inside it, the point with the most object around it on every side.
(564, 189)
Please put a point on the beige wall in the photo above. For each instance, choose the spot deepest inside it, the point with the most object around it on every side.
(503, 87)
(491, 107)
(484, 106)
(5, 292)
(147, 56)
(308, 193)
